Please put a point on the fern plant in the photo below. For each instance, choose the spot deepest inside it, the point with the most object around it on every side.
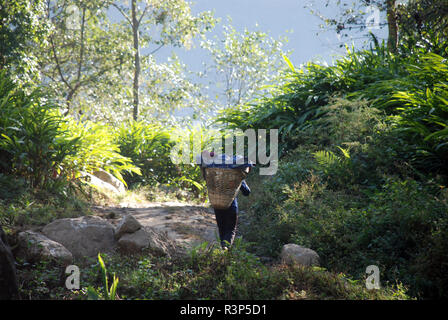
(328, 161)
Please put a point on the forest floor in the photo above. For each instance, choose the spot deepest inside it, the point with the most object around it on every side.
(193, 271)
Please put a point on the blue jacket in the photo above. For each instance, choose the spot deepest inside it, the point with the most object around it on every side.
(245, 190)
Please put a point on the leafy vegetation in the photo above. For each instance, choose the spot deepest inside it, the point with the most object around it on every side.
(208, 273)
(362, 176)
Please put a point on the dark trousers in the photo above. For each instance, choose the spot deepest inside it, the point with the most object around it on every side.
(226, 220)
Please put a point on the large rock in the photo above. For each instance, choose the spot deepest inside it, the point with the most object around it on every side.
(34, 246)
(128, 224)
(99, 184)
(84, 236)
(294, 254)
(9, 288)
(110, 179)
(145, 238)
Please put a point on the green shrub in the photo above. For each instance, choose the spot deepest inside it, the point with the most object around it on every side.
(411, 89)
(293, 106)
(423, 114)
(150, 147)
(30, 138)
(400, 227)
(96, 150)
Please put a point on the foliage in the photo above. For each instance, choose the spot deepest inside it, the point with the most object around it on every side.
(424, 24)
(21, 31)
(291, 106)
(175, 25)
(21, 207)
(394, 227)
(84, 54)
(171, 96)
(107, 293)
(423, 114)
(410, 89)
(411, 24)
(30, 142)
(47, 150)
(354, 17)
(245, 63)
(350, 190)
(89, 58)
(148, 145)
(364, 146)
(328, 161)
(212, 274)
(97, 150)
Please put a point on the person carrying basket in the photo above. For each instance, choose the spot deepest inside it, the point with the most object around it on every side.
(225, 178)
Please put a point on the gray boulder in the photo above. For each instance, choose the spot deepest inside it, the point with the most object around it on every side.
(99, 184)
(33, 246)
(294, 254)
(128, 224)
(84, 236)
(145, 238)
(110, 179)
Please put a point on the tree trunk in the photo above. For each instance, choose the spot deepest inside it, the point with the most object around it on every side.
(392, 40)
(9, 288)
(135, 26)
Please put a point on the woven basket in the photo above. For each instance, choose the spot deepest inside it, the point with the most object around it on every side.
(223, 185)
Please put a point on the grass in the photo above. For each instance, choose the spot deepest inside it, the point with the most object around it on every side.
(206, 273)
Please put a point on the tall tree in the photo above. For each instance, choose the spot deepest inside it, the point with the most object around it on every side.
(392, 39)
(84, 49)
(243, 63)
(155, 24)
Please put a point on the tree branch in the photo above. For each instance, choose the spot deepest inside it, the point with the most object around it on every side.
(81, 50)
(58, 66)
(157, 49)
(143, 14)
(123, 13)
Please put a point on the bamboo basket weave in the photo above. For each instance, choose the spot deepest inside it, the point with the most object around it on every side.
(223, 185)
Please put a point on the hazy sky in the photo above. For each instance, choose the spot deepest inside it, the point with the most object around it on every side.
(275, 17)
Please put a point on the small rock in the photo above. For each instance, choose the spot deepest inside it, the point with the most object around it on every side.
(134, 242)
(84, 236)
(145, 238)
(294, 254)
(127, 225)
(34, 246)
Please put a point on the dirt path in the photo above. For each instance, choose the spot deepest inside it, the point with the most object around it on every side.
(186, 224)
